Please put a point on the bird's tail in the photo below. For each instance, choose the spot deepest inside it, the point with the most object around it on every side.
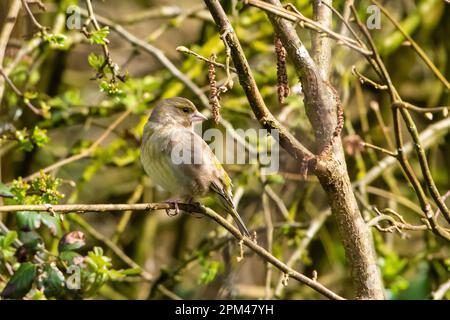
(238, 220)
(226, 203)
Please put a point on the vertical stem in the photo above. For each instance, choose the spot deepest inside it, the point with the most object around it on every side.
(269, 225)
(321, 104)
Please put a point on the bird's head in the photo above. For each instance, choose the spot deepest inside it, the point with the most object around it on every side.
(176, 111)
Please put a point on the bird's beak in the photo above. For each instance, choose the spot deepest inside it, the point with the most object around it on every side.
(197, 116)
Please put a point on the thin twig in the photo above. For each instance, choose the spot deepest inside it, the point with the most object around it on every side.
(397, 198)
(441, 291)
(278, 201)
(157, 53)
(409, 106)
(398, 110)
(314, 227)
(311, 24)
(429, 137)
(113, 67)
(84, 153)
(185, 50)
(385, 151)
(120, 228)
(41, 28)
(20, 94)
(414, 45)
(364, 79)
(262, 113)
(269, 237)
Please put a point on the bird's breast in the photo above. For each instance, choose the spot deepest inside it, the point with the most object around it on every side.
(157, 163)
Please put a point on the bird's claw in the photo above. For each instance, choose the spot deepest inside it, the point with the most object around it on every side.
(169, 211)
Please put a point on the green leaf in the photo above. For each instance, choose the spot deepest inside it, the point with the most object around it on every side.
(131, 271)
(239, 5)
(51, 222)
(5, 192)
(9, 239)
(96, 61)
(69, 256)
(30, 95)
(99, 36)
(32, 243)
(39, 136)
(56, 39)
(21, 282)
(23, 138)
(28, 220)
(53, 281)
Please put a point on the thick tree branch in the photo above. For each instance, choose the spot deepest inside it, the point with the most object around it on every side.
(263, 253)
(321, 103)
(321, 46)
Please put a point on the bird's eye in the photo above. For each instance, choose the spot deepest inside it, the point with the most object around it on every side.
(186, 110)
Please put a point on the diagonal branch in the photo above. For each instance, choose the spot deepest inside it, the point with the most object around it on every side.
(429, 137)
(248, 83)
(414, 45)
(263, 253)
(19, 93)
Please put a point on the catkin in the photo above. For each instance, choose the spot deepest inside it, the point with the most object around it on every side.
(282, 78)
(213, 91)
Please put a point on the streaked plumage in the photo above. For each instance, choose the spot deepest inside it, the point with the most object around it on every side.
(168, 130)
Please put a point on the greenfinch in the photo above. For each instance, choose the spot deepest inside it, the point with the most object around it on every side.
(179, 160)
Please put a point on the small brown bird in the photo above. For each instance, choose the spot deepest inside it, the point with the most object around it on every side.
(180, 161)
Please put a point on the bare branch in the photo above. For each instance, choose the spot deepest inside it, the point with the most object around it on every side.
(429, 137)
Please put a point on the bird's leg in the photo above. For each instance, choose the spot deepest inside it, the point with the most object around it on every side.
(175, 202)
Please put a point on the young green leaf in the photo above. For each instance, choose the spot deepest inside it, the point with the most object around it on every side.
(96, 61)
(28, 220)
(99, 36)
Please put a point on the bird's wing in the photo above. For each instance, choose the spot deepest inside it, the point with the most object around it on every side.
(206, 172)
(199, 164)
(223, 187)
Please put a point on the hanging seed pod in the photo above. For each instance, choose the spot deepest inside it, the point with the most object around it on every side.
(213, 91)
(282, 78)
